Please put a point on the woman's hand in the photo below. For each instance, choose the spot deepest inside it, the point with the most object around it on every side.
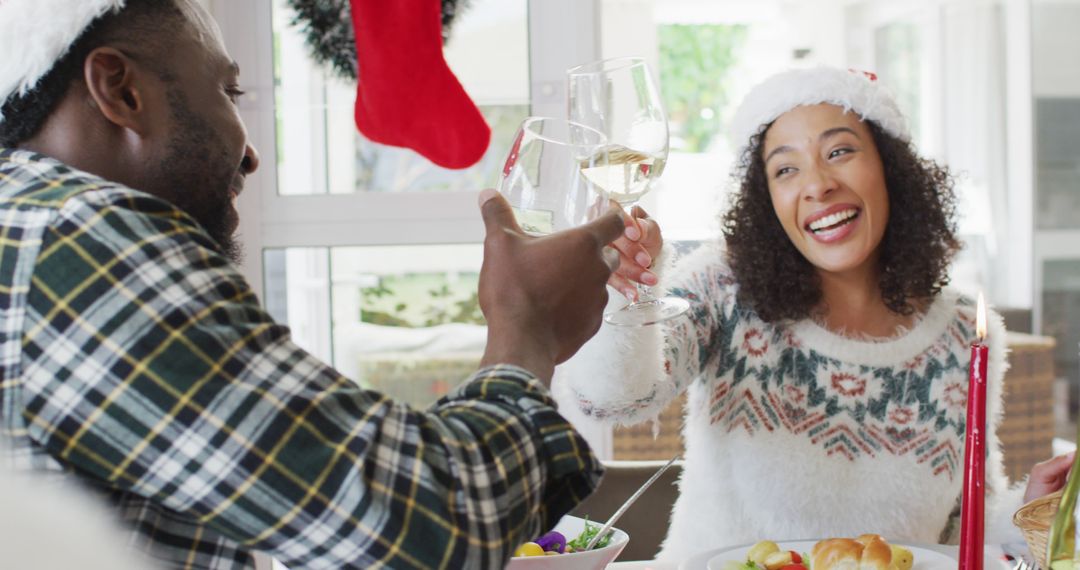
(1048, 476)
(638, 247)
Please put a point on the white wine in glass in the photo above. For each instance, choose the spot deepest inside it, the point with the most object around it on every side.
(543, 177)
(619, 98)
(624, 174)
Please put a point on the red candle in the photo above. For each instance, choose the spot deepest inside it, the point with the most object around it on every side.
(974, 502)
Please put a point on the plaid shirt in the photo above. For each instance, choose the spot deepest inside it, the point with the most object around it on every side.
(135, 359)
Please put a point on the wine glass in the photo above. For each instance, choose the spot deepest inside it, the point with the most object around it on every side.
(619, 98)
(542, 177)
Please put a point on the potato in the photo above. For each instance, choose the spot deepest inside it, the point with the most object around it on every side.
(902, 558)
(778, 560)
(759, 551)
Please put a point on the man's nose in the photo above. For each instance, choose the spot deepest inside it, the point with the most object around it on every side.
(251, 160)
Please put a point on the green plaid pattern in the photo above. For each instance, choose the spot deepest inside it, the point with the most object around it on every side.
(136, 360)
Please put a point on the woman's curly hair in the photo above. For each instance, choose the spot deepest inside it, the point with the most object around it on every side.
(919, 242)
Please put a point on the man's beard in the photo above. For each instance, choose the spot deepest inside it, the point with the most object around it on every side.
(197, 173)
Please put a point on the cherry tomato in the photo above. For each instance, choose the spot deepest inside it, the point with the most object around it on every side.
(794, 567)
(795, 557)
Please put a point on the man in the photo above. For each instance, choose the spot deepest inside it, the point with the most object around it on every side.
(137, 360)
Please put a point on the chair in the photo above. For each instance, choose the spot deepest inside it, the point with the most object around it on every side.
(1016, 320)
(647, 520)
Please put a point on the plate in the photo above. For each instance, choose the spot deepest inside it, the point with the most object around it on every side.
(714, 559)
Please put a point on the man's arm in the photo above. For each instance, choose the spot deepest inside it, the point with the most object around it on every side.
(150, 365)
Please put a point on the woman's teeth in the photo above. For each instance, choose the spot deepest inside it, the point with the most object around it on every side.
(833, 220)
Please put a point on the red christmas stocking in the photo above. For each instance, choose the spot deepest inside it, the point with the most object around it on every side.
(407, 95)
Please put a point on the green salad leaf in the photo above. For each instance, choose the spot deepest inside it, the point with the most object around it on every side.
(586, 535)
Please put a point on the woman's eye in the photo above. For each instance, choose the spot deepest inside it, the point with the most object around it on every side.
(839, 152)
(783, 171)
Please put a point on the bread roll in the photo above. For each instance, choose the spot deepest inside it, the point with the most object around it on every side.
(877, 555)
(868, 552)
(836, 554)
(865, 539)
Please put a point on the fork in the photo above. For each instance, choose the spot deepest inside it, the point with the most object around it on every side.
(618, 513)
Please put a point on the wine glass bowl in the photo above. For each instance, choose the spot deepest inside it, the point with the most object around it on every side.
(543, 176)
(619, 98)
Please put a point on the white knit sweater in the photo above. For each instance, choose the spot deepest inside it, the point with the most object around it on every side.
(794, 432)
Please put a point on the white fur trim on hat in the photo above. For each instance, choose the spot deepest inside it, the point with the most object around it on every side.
(34, 34)
(853, 90)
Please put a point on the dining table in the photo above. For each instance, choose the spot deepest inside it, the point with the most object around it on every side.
(997, 557)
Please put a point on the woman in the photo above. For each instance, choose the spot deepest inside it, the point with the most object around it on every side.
(825, 362)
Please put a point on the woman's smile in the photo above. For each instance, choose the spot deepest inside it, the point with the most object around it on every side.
(833, 224)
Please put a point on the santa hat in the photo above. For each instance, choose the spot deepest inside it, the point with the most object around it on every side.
(35, 34)
(852, 90)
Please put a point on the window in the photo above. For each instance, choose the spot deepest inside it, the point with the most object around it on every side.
(1056, 89)
(393, 306)
(319, 150)
(403, 320)
(369, 253)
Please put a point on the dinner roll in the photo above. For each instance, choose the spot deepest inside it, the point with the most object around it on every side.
(836, 554)
(877, 555)
(865, 539)
(868, 552)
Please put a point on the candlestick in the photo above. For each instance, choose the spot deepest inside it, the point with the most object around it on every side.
(973, 505)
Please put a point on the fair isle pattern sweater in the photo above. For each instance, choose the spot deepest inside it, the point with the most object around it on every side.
(795, 432)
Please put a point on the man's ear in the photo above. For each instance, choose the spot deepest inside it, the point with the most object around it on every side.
(113, 82)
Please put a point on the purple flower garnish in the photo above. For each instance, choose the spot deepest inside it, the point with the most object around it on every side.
(552, 541)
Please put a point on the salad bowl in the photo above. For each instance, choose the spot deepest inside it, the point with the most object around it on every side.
(573, 527)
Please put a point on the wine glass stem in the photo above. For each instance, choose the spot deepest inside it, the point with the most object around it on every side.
(644, 292)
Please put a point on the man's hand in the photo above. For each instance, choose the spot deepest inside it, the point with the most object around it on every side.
(542, 297)
(1048, 476)
(639, 244)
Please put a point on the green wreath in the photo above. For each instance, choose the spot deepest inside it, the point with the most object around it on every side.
(327, 26)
